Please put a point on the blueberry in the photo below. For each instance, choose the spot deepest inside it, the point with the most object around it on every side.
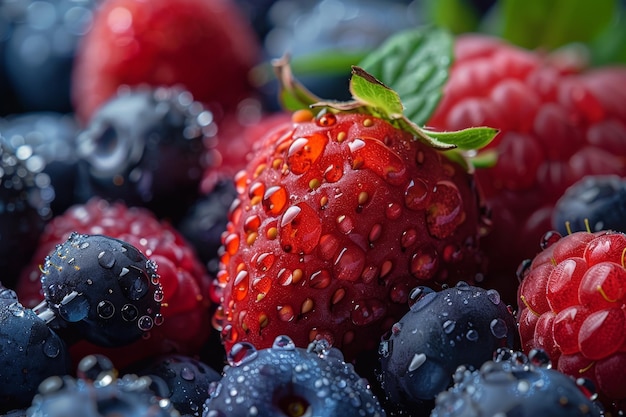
(513, 385)
(107, 395)
(183, 380)
(147, 146)
(205, 221)
(47, 142)
(101, 289)
(594, 202)
(29, 352)
(25, 196)
(39, 53)
(442, 330)
(288, 381)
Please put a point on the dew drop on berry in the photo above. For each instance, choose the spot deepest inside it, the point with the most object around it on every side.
(129, 312)
(549, 239)
(187, 374)
(145, 323)
(283, 342)
(333, 172)
(445, 211)
(74, 309)
(241, 285)
(494, 296)
(418, 360)
(588, 388)
(320, 279)
(471, 335)
(539, 358)
(326, 120)
(304, 152)
(349, 263)
(498, 328)
(105, 309)
(424, 263)
(106, 259)
(134, 284)
(241, 353)
(409, 237)
(417, 294)
(275, 200)
(345, 224)
(51, 347)
(448, 326)
(416, 195)
(367, 311)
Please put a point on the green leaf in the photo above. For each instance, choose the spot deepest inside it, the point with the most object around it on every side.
(414, 63)
(367, 89)
(550, 24)
(458, 16)
(292, 95)
(466, 139)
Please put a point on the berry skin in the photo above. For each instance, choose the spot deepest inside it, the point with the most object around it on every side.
(104, 395)
(185, 305)
(102, 289)
(29, 352)
(183, 380)
(337, 218)
(463, 325)
(46, 141)
(514, 385)
(571, 304)
(146, 146)
(597, 202)
(285, 380)
(25, 196)
(557, 122)
(205, 46)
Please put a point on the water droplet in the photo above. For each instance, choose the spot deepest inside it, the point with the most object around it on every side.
(445, 211)
(74, 307)
(424, 263)
(349, 263)
(129, 312)
(367, 311)
(106, 259)
(494, 296)
(241, 353)
(251, 224)
(187, 374)
(134, 284)
(51, 347)
(409, 237)
(320, 279)
(416, 195)
(333, 172)
(265, 261)
(304, 152)
(374, 155)
(549, 239)
(539, 358)
(448, 326)
(145, 323)
(471, 335)
(498, 328)
(105, 309)
(300, 229)
(393, 211)
(275, 200)
(328, 246)
(284, 342)
(418, 360)
(418, 293)
(241, 285)
(231, 243)
(325, 119)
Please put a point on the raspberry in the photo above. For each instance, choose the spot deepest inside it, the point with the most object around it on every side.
(571, 304)
(558, 123)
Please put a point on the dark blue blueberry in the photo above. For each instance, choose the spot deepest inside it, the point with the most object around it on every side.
(101, 289)
(595, 203)
(146, 146)
(29, 353)
(106, 396)
(288, 381)
(25, 196)
(46, 142)
(206, 220)
(40, 51)
(516, 386)
(442, 330)
(183, 380)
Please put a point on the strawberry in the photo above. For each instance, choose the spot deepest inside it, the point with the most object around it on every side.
(572, 301)
(207, 46)
(558, 123)
(338, 216)
(186, 302)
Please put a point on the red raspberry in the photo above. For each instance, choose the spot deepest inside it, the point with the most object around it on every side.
(558, 123)
(185, 283)
(572, 303)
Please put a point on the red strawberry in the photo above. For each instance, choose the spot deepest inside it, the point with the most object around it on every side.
(558, 123)
(186, 302)
(572, 303)
(205, 45)
(338, 217)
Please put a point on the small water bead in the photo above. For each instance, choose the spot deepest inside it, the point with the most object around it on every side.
(241, 285)
(494, 296)
(418, 360)
(320, 279)
(393, 211)
(445, 211)
(539, 358)
(498, 328)
(51, 347)
(448, 326)
(129, 312)
(367, 311)
(325, 119)
(304, 152)
(549, 239)
(333, 172)
(283, 342)
(134, 284)
(74, 308)
(241, 353)
(300, 229)
(251, 224)
(231, 243)
(471, 335)
(349, 263)
(265, 261)
(105, 309)
(187, 374)
(275, 200)
(417, 294)
(345, 224)
(424, 263)
(380, 159)
(145, 323)
(106, 259)
(409, 237)
(417, 195)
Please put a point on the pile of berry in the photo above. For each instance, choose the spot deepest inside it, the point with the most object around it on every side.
(444, 236)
